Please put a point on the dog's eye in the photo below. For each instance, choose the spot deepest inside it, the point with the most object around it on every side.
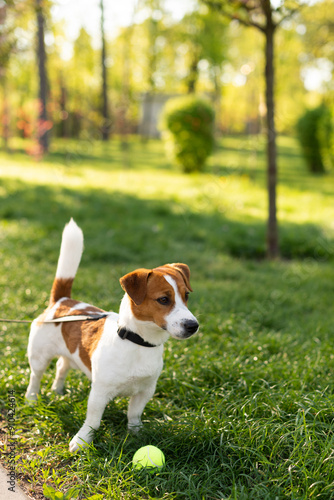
(164, 301)
(187, 296)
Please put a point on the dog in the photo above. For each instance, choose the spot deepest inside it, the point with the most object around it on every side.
(122, 354)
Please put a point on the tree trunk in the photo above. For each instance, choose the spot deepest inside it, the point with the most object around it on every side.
(43, 85)
(272, 229)
(105, 110)
(5, 114)
(125, 97)
(3, 76)
(63, 105)
(193, 73)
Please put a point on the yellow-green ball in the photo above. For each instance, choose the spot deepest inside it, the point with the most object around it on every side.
(148, 457)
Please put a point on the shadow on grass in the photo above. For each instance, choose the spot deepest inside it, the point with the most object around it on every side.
(69, 153)
(233, 156)
(246, 155)
(120, 228)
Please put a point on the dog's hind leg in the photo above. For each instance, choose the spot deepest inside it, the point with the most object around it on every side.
(38, 365)
(63, 365)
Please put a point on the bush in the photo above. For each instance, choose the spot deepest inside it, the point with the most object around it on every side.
(187, 127)
(326, 138)
(315, 134)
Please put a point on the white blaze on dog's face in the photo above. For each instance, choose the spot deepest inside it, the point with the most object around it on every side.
(160, 295)
(180, 322)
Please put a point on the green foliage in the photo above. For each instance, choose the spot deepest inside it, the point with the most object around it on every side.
(158, 53)
(326, 137)
(315, 134)
(204, 37)
(187, 126)
(50, 493)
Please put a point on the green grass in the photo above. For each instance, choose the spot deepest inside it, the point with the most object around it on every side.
(245, 409)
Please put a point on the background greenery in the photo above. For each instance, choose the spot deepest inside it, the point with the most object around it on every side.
(158, 54)
(245, 409)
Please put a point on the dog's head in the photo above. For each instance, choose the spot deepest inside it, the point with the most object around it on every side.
(160, 295)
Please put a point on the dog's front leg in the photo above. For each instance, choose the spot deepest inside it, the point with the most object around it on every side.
(136, 407)
(97, 401)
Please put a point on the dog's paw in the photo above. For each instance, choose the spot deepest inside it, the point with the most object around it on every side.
(31, 398)
(135, 428)
(58, 390)
(77, 443)
(80, 440)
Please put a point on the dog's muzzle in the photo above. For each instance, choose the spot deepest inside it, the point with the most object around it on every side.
(190, 327)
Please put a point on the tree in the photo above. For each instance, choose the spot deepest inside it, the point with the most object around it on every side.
(84, 87)
(43, 125)
(7, 43)
(205, 36)
(265, 16)
(318, 21)
(154, 29)
(105, 107)
(317, 33)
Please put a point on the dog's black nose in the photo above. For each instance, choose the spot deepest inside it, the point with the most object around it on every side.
(190, 326)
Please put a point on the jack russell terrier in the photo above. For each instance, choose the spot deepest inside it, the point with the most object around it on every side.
(120, 353)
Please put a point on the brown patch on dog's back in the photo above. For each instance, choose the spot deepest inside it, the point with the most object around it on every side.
(67, 308)
(84, 335)
(63, 309)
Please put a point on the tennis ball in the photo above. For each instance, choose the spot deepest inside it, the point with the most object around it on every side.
(149, 457)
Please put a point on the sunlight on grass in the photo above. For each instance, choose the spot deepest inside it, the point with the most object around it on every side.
(234, 182)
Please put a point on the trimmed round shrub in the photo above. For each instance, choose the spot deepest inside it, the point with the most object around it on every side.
(187, 125)
(315, 134)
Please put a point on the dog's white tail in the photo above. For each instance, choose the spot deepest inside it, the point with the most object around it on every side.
(69, 259)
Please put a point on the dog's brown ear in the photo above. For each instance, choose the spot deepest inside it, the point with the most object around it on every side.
(185, 271)
(135, 284)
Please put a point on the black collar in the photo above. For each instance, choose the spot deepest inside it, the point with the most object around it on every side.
(124, 333)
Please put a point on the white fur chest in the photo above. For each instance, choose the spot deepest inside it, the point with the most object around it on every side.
(122, 366)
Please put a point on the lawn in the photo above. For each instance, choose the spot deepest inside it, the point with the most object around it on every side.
(244, 409)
